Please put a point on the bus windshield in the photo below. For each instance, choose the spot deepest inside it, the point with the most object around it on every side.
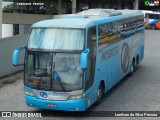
(56, 39)
(53, 71)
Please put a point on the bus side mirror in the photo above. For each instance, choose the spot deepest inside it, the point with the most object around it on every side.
(15, 57)
(84, 58)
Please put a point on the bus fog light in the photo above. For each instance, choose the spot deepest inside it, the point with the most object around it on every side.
(28, 93)
(76, 109)
(72, 97)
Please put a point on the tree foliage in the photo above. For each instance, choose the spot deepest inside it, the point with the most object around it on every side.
(8, 8)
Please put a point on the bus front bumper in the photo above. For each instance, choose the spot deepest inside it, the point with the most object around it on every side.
(68, 105)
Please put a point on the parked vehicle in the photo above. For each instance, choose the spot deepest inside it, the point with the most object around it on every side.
(72, 61)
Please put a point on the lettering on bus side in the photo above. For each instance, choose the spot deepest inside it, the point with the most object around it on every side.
(109, 54)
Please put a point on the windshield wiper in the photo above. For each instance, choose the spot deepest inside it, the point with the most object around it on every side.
(56, 76)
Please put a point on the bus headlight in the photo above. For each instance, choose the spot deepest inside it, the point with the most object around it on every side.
(28, 93)
(72, 97)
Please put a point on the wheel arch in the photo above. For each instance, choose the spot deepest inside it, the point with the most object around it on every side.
(102, 82)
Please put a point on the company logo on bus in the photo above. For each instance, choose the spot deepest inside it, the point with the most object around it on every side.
(43, 94)
(60, 93)
(125, 57)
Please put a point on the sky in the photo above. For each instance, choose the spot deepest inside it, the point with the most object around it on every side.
(6, 3)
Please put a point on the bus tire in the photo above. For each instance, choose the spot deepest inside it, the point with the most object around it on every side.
(153, 27)
(133, 68)
(100, 94)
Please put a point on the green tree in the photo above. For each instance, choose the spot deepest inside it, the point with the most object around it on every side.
(8, 8)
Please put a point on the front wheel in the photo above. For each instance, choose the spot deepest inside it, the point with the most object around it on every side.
(100, 94)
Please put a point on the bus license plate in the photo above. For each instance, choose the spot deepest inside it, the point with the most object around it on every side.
(50, 105)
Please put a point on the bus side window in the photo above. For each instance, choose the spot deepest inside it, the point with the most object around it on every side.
(121, 29)
(92, 34)
(88, 80)
(92, 40)
(103, 34)
(146, 15)
(151, 16)
(157, 16)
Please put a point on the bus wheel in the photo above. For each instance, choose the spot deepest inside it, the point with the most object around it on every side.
(133, 68)
(100, 94)
(153, 27)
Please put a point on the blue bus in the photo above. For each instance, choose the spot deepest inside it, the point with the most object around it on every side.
(71, 62)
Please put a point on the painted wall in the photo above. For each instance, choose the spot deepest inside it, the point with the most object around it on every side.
(7, 30)
(0, 18)
(7, 45)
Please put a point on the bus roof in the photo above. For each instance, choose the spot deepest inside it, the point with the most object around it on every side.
(84, 21)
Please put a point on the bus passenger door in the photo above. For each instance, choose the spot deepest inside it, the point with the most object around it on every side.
(90, 70)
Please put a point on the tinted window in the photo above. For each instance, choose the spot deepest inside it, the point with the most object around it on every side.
(154, 16)
(107, 33)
